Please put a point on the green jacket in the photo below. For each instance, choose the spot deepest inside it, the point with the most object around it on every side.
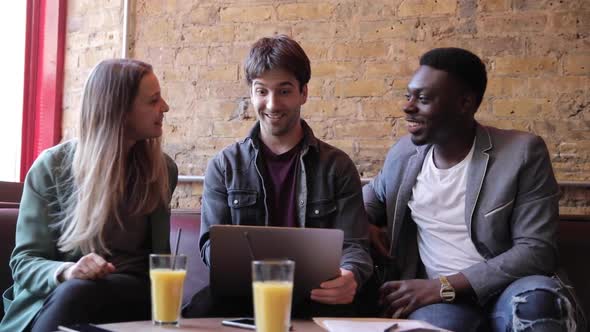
(36, 257)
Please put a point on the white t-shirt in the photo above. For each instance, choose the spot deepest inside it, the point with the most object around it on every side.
(438, 209)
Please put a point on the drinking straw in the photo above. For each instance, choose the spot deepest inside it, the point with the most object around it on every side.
(176, 248)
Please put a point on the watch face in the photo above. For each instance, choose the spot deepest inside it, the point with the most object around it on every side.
(447, 293)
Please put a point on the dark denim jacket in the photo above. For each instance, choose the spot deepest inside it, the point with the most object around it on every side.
(329, 195)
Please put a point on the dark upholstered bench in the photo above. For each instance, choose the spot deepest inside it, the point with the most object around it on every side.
(197, 275)
(574, 232)
(574, 241)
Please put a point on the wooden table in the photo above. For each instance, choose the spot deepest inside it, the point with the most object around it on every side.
(199, 324)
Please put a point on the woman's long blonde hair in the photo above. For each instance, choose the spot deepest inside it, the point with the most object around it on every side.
(107, 184)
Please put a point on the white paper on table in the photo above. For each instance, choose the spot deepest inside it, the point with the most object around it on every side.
(369, 325)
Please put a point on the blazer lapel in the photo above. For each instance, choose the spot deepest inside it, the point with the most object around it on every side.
(405, 191)
(476, 172)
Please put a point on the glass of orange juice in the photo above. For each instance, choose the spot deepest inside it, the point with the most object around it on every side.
(272, 287)
(167, 273)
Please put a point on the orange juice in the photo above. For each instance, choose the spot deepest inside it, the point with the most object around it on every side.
(272, 305)
(166, 294)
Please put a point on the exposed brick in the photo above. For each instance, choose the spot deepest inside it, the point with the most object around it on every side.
(360, 50)
(548, 5)
(334, 69)
(252, 32)
(321, 129)
(246, 14)
(178, 94)
(389, 70)
(173, 73)
(499, 86)
(91, 59)
(522, 107)
(369, 129)
(389, 29)
(220, 109)
(577, 65)
(376, 149)
(563, 22)
(360, 88)
(158, 31)
(543, 87)
(202, 15)
(232, 128)
(573, 105)
(328, 109)
(234, 89)
(382, 109)
(409, 50)
(467, 8)
(494, 5)
(511, 24)
(321, 31)
(152, 8)
(400, 84)
(219, 73)
(442, 27)
(499, 46)
(555, 45)
(212, 145)
(315, 50)
(189, 55)
(524, 65)
(204, 34)
(227, 54)
(363, 53)
(583, 20)
(419, 7)
(315, 87)
(366, 10)
(305, 11)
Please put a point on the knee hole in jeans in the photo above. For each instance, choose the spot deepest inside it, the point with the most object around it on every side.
(538, 304)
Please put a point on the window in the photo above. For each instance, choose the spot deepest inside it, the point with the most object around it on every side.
(13, 22)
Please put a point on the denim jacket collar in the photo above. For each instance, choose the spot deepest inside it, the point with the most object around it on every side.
(309, 139)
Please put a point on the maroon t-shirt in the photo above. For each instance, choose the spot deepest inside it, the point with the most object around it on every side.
(281, 171)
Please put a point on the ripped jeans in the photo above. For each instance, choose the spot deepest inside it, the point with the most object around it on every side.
(533, 303)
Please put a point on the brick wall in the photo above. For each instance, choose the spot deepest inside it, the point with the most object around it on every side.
(363, 53)
(93, 33)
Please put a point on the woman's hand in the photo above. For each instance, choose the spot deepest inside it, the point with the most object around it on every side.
(91, 266)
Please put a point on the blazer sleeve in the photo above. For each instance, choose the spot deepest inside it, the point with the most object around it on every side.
(374, 193)
(36, 257)
(533, 225)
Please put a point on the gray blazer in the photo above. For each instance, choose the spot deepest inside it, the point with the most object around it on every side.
(511, 208)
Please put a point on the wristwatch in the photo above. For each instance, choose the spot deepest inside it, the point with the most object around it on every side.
(447, 292)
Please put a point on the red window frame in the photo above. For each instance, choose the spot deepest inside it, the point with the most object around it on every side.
(43, 83)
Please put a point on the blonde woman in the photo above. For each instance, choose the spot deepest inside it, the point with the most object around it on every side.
(94, 208)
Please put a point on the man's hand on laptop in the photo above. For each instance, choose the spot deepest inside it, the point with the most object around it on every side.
(336, 291)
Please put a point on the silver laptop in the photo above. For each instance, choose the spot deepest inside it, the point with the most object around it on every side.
(316, 252)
